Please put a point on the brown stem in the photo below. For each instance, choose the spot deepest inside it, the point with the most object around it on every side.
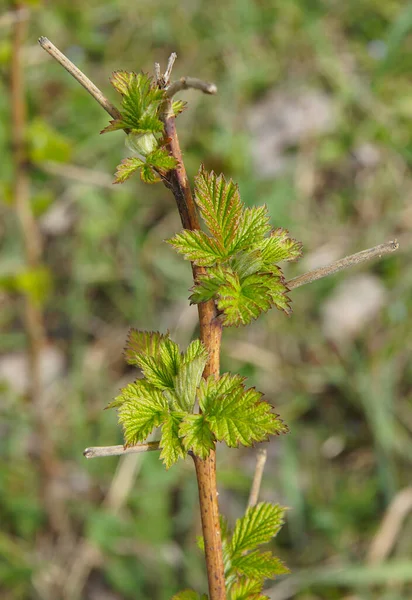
(33, 315)
(210, 334)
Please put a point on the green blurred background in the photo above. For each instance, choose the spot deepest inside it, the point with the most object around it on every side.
(313, 117)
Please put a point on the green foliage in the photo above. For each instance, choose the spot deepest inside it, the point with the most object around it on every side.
(165, 397)
(141, 100)
(246, 567)
(237, 415)
(242, 274)
(139, 117)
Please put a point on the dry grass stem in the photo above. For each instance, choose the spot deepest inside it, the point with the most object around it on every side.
(257, 478)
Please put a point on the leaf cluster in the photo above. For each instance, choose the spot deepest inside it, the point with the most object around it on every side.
(240, 252)
(171, 389)
(142, 102)
(246, 566)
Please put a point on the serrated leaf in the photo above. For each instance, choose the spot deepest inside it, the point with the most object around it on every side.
(252, 227)
(241, 296)
(126, 169)
(278, 292)
(279, 246)
(178, 106)
(237, 415)
(160, 370)
(161, 160)
(143, 342)
(148, 174)
(197, 436)
(259, 565)
(187, 381)
(243, 301)
(170, 442)
(220, 206)
(258, 526)
(212, 389)
(141, 100)
(198, 247)
(141, 411)
(207, 285)
(246, 589)
(247, 263)
(122, 80)
(139, 384)
(196, 349)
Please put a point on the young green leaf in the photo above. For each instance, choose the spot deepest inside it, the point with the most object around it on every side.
(252, 227)
(247, 589)
(196, 349)
(141, 410)
(237, 415)
(161, 160)
(258, 526)
(243, 301)
(141, 100)
(178, 106)
(143, 342)
(279, 246)
(259, 565)
(196, 435)
(187, 380)
(170, 442)
(161, 370)
(207, 285)
(198, 247)
(126, 169)
(220, 206)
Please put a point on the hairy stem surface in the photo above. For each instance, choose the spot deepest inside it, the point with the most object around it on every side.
(210, 334)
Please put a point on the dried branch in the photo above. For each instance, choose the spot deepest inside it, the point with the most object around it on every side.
(101, 451)
(257, 478)
(79, 76)
(184, 83)
(343, 263)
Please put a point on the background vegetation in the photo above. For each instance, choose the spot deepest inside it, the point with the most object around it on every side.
(313, 117)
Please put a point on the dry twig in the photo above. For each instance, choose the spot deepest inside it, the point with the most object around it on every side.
(101, 451)
(79, 76)
(343, 263)
(184, 83)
